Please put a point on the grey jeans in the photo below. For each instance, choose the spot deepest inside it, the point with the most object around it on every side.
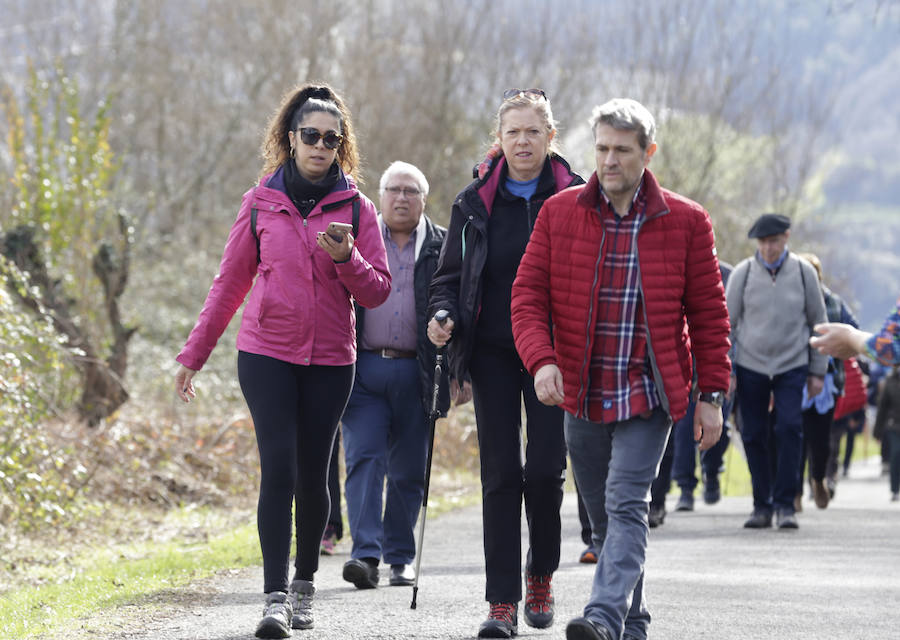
(614, 466)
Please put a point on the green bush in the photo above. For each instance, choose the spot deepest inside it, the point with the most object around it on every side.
(37, 477)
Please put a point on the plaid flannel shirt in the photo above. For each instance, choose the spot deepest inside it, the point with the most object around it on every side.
(620, 369)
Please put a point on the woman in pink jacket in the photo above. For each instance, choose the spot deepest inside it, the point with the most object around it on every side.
(296, 345)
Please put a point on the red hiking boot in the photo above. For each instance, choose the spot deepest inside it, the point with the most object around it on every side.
(538, 600)
(502, 622)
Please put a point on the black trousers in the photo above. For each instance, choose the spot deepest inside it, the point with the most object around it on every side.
(295, 412)
(499, 385)
(816, 444)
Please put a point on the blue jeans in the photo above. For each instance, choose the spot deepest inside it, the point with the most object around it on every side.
(684, 458)
(774, 462)
(614, 466)
(385, 435)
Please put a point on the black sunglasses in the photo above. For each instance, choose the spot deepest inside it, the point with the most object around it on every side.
(310, 136)
(534, 94)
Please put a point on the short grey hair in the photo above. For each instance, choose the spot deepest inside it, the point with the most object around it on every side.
(625, 114)
(406, 169)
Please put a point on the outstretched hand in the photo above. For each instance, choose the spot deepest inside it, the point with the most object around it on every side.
(839, 340)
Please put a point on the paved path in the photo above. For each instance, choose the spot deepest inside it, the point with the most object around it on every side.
(838, 576)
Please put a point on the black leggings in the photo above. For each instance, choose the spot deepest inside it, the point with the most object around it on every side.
(295, 412)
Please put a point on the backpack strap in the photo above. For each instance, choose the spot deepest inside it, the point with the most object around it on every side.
(253, 215)
(253, 231)
(356, 217)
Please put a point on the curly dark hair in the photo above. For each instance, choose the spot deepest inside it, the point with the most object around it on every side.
(295, 104)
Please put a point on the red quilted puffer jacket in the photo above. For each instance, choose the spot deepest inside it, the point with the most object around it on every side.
(680, 284)
(854, 396)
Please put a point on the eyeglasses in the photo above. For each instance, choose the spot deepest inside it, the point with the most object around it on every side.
(409, 192)
(310, 136)
(534, 94)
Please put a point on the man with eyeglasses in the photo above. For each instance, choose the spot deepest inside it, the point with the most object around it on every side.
(385, 423)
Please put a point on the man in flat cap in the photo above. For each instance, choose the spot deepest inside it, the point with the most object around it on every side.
(774, 301)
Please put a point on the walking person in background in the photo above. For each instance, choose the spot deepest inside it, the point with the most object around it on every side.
(296, 345)
(684, 454)
(887, 425)
(490, 225)
(385, 425)
(849, 418)
(618, 290)
(818, 411)
(774, 301)
(656, 516)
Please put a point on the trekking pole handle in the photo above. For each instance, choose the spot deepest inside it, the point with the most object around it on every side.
(441, 316)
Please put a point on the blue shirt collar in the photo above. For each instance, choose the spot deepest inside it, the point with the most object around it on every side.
(774, 266)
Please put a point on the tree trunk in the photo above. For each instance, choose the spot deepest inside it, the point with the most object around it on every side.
(103, 387)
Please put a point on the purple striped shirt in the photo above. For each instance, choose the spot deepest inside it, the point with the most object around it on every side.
(392, 325)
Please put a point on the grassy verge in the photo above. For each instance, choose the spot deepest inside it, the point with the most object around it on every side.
(121, 575)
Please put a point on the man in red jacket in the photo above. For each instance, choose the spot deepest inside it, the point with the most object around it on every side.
(618, 289)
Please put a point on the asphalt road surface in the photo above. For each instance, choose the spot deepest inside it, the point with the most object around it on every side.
(838, 576)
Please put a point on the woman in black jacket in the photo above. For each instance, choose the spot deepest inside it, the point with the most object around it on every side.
(490, 225)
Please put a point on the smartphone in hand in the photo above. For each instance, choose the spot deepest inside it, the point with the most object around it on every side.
(337, 230)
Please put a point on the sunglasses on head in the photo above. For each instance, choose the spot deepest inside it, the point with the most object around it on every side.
(310, 136)
(534, 94)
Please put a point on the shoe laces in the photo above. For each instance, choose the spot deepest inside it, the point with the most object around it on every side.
(505, 611)
(277, 606)
(302, 601)
(539, 593)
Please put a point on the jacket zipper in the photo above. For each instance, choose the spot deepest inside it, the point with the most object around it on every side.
(587, 343)
(657, 377)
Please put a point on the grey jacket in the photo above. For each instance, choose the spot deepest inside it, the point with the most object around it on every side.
(773, 318)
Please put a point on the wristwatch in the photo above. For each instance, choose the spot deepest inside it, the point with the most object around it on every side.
(716, 398)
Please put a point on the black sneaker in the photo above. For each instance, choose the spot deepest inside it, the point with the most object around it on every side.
(712, 492)
(586, 629)
(277, 614)
(361, 573)
(301, 598)
(760, 519)
(538, 600)
(502, 622)
(786, 519)
(685, 502)
(656, 516)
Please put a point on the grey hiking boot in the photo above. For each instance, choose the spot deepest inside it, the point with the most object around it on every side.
(301, 596)
(276, 620)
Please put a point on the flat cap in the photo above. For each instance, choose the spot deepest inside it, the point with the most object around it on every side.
(769, 224)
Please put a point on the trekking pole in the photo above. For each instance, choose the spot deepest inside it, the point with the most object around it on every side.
(441, 316)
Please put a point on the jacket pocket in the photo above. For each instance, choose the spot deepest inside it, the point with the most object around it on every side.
(263, 283)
